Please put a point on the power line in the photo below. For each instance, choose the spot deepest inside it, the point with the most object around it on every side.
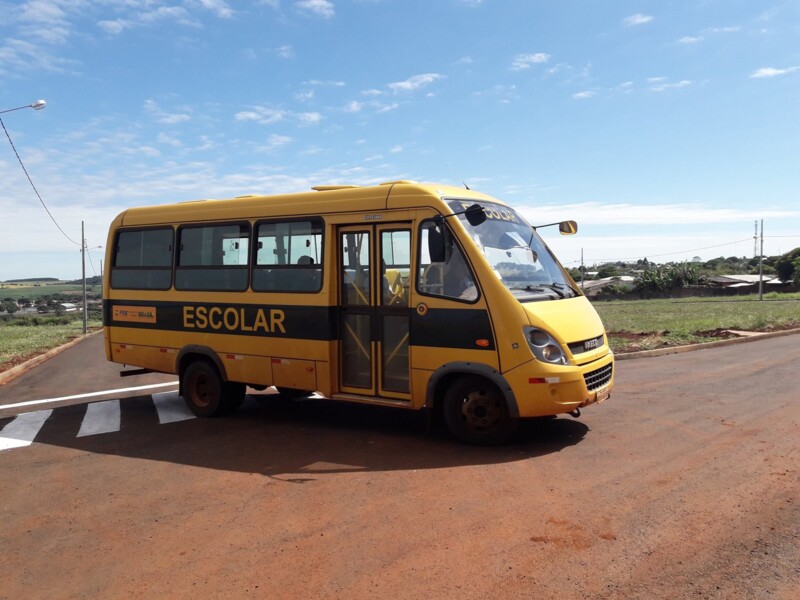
(596, 260)
(33, 186)
(89, 254)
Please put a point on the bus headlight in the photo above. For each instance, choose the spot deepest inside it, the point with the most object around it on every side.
(544, 347)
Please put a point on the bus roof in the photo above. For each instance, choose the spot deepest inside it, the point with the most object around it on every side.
(325, 199)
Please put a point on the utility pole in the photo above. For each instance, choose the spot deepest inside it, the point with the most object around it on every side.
(755, 241)
(83, 273)
(582, 269)
(761, 265)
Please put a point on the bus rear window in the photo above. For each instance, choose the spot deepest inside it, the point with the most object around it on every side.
(143, 259)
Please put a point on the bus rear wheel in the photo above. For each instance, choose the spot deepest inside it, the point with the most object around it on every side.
(206, 394)
(476, 412)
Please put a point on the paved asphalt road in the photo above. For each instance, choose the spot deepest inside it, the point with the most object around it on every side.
(683, 485)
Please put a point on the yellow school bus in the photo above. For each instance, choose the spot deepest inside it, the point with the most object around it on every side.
(402, 294)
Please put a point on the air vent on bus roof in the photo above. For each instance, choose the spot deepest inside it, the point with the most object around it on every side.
(329, 188)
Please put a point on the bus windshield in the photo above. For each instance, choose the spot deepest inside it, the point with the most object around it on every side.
(517, 254)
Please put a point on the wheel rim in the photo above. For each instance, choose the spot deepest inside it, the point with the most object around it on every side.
(482, 411)
(200, 386)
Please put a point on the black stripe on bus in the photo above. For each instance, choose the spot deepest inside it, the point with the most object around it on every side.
(290, 322)
(439, 328)
(452, 328)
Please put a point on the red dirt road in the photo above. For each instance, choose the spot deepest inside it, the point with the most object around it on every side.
(683, 485)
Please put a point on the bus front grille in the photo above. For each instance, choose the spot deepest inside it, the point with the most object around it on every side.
(599, 378)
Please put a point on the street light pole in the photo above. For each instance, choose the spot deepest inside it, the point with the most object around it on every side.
(761, 265)
(38, 105)
(83, 274)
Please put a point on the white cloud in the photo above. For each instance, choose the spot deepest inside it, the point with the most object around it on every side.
(384, 108)
(115, 26)
(353, 106)
(169, 13)
(414, 83)
(161, 116)
(690, 39)
(396, 149)
(663, 87)
(319, 8)
(637, 19)
(505, 94)
(526, 61)
(722, 30)
(274, 142)
(583, 95)
(163, 138)
(206, 143)
(309, 118)
(266, 115)
(262, 115)
(218, 7)
(770, 72)
(285, 51)
(317, 82)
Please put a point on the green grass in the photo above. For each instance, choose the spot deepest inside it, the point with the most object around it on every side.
(17, 291)
(648, 324)
(18, 343)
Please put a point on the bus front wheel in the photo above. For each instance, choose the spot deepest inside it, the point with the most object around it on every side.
(476, 412)
(206, 394)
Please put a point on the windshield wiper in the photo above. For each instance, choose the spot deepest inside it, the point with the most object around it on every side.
(558, 288)
(536, 288)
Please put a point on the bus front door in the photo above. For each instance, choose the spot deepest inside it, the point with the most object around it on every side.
(374, 316)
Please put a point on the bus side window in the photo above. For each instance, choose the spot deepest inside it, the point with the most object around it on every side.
(288, 256)
(210, 257)
(451, 278)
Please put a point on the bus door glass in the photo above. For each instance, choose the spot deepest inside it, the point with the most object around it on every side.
(374, 284)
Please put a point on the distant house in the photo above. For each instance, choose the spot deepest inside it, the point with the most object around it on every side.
(595, 286)
(70, 307)
(740, 281)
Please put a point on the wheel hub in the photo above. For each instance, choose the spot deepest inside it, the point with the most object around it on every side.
(480, 411)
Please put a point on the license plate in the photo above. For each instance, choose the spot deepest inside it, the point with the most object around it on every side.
(603, 395)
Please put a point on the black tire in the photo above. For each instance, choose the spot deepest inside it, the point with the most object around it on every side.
(476, 412)
(232, 397)
(206, 394)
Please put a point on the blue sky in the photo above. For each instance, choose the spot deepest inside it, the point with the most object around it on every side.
(665, 128)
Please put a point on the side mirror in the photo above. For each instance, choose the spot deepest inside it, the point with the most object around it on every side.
(475, 215)
(436, 248)
(568, 228)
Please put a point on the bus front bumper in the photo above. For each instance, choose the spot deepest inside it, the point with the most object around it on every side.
(544, 390)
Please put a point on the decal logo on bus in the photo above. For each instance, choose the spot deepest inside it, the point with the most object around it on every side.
(495, 213)
(134, 314)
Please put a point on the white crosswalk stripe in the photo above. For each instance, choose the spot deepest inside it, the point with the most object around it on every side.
(23, 430)
(171, 408)
(101, 417)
